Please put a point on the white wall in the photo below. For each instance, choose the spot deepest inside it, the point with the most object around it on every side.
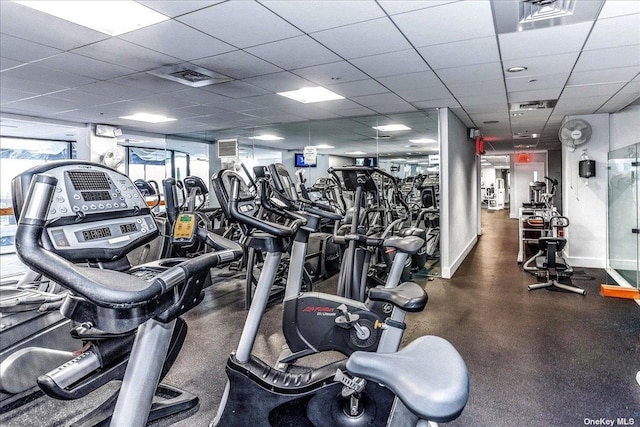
(625, 127)
(586, 205)
(458, 193)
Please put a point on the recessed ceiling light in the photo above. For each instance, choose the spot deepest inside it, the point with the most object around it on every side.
(266, 137)
(148, 118)
(491, 122)
(355, 152)
(517, 114)
(516, 69)
(323, 146)
(423, 140)
(307, 95)
(391, 128)
(108, 17)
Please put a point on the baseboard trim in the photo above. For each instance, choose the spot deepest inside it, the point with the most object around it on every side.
(448, 272)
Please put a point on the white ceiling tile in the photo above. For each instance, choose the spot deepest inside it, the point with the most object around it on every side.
(237, 64)
(378, 99)
(468, 73)
(236, 105)
(627, 95)
(490, 87)
(125, 54)
(365, 39)
(294, 52)
(424, 93)
(389, 64)
(358, 88)
(24, 50)
(236, 89)
(619, 7)
(446, 23)
(608, 75)
(358, 111)
(43, 28)
(394, 7)
(199, 96)
(149, 82)
(43, 105)
(534, 95)
(84, 99)
(279, 82)
(166, 101)
(460, 53)
(177, 40)
(626, 56)
(325, 74)
(437, 103)
(568, 104)
(85, 66)
(541, 65)
(312, 16)
(546, 81)
(613, 32)
(544, 41)
(34, 73)
(10, 95)
(473, 106)
(410, 81)
(111, 89)
(497, 99)
(400, 107)
(228, 22)
(6, 63)
(177, 8)
(591, 90)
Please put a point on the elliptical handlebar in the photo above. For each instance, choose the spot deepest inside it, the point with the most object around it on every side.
(261, 224)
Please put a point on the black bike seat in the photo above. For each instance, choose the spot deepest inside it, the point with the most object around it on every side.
(409, 244)
(409, 296)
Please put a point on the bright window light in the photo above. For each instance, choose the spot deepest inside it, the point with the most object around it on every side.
(391, 128)
(109, 17)
(266, 137)
(423, 140)
(149, 118)
(356, 152)
(307, 95)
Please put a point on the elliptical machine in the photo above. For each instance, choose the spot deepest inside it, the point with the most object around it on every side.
(426, 380)
(76, 210)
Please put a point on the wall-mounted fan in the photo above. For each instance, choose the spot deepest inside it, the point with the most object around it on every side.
(574, 132)
(114, 156)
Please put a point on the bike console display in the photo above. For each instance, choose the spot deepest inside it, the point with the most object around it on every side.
(96, 212)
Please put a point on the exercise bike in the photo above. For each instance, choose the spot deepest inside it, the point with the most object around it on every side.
(426, 380)
(129, 319)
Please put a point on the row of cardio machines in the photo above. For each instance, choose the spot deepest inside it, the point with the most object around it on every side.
(77, 219)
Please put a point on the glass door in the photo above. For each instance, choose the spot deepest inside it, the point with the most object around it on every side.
(624, 213)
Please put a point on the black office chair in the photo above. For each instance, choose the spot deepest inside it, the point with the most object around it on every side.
(553, 263)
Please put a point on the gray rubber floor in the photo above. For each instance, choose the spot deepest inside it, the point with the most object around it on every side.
(540, 358)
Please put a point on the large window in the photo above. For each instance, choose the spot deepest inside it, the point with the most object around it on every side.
(16, 156)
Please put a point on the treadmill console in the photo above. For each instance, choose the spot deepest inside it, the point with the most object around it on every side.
(96, 212)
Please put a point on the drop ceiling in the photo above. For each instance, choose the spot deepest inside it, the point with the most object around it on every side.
(391, 60)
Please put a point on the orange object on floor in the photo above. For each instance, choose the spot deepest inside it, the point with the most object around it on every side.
(614, 291)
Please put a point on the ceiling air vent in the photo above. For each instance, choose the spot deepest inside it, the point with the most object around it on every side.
(532, 105)
(537, 10)
(190, 75)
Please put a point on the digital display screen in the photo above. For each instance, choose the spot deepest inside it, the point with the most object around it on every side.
(128, 228)
(89, 181)
(96, 233)
(92, 196)
(300, 161)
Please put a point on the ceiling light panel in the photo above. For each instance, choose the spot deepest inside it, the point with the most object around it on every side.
(148, 118)
(308, 95)
(109, 17)
(391, 128)
(266, 137)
